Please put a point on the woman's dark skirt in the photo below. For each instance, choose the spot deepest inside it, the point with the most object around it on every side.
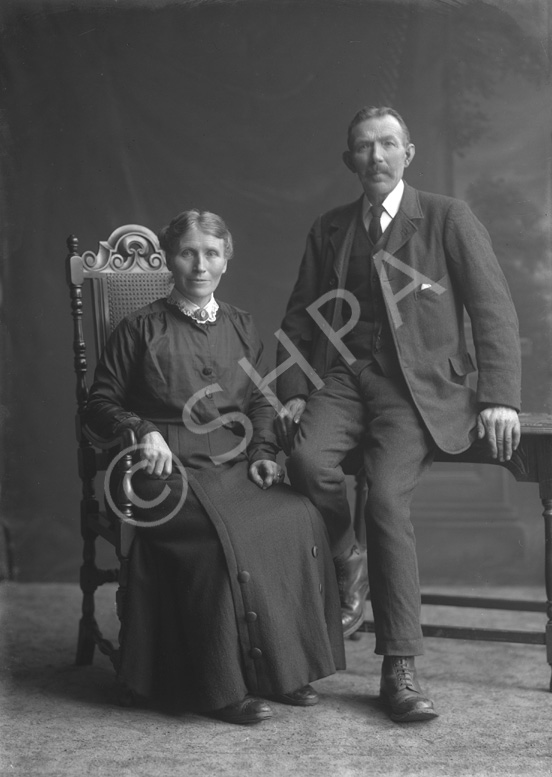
(235, 594)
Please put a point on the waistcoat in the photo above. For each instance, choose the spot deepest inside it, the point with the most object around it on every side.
(371, 339)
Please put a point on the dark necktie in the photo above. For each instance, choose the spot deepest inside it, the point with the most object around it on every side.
(374, 228)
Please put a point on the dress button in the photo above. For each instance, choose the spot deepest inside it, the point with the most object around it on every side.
(244, 576)
(256, 653)
(207, 371)
(208, 394)
(331, 282)
(250, 616)
(320, 587)
(315, 551)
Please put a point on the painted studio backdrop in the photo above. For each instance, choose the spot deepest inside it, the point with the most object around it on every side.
(116, 113)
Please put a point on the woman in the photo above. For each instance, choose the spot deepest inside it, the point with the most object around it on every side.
(232, 597)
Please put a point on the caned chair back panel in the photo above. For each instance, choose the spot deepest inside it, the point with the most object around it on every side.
(115, 296)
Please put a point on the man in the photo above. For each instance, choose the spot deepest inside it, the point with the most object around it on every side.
(394, 366)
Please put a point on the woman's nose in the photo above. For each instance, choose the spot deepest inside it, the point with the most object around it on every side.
(199, 264)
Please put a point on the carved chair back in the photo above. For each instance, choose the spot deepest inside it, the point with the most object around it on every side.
(127, 272)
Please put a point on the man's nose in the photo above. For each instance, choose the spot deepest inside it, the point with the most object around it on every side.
(377, 151)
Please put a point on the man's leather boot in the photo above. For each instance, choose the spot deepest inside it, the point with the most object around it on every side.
(352, 579)
(401, 691)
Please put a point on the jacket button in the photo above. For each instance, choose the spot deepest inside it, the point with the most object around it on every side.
(207, 371)
(332, 282)
(320, 587)
(250, 617)
(315, 551)
(256, 653)
(244, 577)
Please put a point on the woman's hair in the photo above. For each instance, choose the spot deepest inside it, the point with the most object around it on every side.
(171, 235)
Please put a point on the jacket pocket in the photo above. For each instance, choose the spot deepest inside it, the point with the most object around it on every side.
(425, 291)
(462, 364)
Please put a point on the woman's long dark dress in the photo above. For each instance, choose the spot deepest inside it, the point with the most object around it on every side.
(236, 593)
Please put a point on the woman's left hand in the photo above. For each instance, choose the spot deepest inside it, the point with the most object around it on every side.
(265, 473)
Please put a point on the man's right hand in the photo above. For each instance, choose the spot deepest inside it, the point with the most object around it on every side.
(157, 455)
(287, 422)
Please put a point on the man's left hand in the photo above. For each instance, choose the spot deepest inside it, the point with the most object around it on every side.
(501, 427)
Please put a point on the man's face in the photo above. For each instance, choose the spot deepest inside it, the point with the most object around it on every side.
(378, 156)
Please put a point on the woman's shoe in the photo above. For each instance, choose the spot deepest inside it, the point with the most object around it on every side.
(247, 711)
(302, 697)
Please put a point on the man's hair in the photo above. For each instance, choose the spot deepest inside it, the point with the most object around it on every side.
(375, 112)
(171, 235)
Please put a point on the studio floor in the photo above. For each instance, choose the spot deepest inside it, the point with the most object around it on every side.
(61, 720)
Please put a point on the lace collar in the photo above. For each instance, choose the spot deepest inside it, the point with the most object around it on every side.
(205, 315)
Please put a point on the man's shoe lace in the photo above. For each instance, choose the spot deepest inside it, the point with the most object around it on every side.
(405, 674)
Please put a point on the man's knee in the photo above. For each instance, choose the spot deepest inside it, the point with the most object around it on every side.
(308, 468)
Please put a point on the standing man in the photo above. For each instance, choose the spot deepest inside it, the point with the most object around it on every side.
(377, 310)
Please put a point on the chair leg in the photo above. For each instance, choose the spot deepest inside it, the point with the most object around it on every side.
(547, 515)
(85, 642)
(88, 583)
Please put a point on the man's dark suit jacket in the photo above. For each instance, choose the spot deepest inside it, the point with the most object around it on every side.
(439, 238)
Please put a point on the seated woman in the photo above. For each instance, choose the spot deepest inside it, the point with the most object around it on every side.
(232, 596)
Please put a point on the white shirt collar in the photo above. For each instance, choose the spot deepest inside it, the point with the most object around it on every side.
(391, 204)
(189, 308)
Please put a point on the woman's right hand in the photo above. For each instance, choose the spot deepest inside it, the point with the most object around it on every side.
(157, 455)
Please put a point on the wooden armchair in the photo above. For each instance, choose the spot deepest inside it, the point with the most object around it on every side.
(127, 272)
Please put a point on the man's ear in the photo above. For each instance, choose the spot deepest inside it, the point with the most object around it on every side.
(410, 152)
(348, 161)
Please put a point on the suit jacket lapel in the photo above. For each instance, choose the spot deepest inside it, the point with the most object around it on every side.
(342, 232)
(404, 225)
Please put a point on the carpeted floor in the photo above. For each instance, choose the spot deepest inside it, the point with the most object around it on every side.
(60, 720)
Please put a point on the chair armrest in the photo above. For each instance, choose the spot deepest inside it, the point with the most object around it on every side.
(125, 439)
(121, 446)
(97, 452)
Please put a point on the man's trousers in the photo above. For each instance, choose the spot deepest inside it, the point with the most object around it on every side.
(377, 413)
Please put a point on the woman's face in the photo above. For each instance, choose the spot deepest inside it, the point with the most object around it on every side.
(198, 265)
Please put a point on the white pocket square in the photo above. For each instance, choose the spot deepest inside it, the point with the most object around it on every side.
(425, 286)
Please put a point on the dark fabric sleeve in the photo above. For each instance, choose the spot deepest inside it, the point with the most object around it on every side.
(263, 444)
(105, 411)
(298, 324)
(487, 299)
